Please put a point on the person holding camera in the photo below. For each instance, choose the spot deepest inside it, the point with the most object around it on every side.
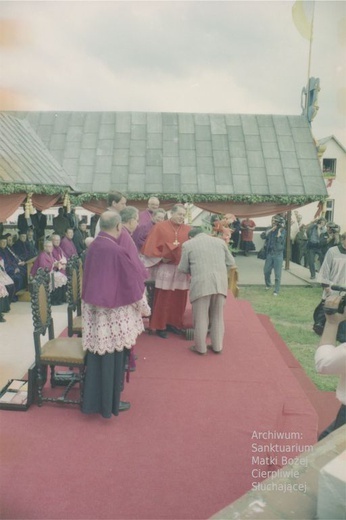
(330, 238)
(275, 240)
(333, 273)
(314, 233)
(331, 359)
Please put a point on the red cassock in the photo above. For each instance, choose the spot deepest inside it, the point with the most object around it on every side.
(165, 241)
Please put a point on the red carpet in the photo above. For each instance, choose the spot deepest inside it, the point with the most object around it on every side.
(184, 449)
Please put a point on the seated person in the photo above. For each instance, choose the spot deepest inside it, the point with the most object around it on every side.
(58, 280)
(79, 236)
(22, 248)
(13, 266)
(67, 244)
(3, 296)
(58, 253)
(31, 243)
(8, 283)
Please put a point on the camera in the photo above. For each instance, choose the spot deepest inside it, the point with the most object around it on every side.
(279, 221)
(337, 304)
(333, 228)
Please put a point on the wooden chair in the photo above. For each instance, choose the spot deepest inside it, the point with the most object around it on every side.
(24, 294)
(56, 352)
(74, 303)
(233, 278)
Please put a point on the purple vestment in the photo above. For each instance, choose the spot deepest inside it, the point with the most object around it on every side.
(125, 240)
(59, 255)
(44, 260)
(141, 232)
(111, 277)
(144, 217)
(68, 247)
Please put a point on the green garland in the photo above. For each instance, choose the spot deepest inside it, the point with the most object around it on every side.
(77, 199)
(42, 189)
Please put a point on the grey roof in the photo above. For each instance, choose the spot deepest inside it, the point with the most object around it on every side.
(24, 159)
(147, 152)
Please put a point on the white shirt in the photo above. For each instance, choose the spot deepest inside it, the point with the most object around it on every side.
(333, 269)
(332, 361)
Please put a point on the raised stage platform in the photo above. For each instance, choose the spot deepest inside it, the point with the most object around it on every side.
(184, 450)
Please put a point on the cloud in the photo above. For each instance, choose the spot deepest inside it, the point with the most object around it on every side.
(175, 56)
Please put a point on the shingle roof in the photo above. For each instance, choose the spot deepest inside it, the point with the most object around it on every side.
(24, 159)
(221, 154)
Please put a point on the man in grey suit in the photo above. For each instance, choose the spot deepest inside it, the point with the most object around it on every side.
(208, 260)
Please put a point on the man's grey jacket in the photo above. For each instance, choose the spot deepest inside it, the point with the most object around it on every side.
(208, 260)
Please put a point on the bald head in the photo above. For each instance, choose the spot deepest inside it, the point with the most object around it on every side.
(56, 240)
(88, 241)
(110, 222)
(153, 204)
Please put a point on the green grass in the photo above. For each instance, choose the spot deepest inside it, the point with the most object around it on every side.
(291, 314)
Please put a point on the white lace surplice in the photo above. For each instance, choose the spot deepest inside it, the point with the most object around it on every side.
(169, 278)
(59, 280)
(107, 330)
(3, 291)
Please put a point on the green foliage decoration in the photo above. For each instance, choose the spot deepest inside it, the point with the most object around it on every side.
(77, 199)
(42, 189)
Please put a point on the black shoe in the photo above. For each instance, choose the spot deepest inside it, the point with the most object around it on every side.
(175, 330)
(2, 319)
(123, 406)
(161, 333)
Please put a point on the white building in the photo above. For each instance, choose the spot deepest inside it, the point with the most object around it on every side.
(333, 163)
(334, 170)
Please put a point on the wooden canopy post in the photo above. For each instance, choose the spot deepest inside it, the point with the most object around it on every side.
(288, 240)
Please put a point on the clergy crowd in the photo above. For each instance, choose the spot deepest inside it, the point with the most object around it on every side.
(131, 249)
(31, 250)
(128, 251)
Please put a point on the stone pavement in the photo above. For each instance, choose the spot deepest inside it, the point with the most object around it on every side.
(250, 272)
(292, 496)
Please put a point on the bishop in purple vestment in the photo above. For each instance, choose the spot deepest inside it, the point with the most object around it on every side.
(67, 244)
(112, 307)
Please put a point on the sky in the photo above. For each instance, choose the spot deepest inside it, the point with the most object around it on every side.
(181, 56)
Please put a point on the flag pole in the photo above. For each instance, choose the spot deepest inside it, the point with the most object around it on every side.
(307, 99)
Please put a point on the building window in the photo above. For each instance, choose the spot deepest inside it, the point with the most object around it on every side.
(329, 167)
(330, 210)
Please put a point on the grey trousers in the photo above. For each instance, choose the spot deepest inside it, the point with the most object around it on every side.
(208, 313)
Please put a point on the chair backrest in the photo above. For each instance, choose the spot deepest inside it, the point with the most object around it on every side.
(41, 308)
(74, 283)
(80, 275)
(74, 302)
